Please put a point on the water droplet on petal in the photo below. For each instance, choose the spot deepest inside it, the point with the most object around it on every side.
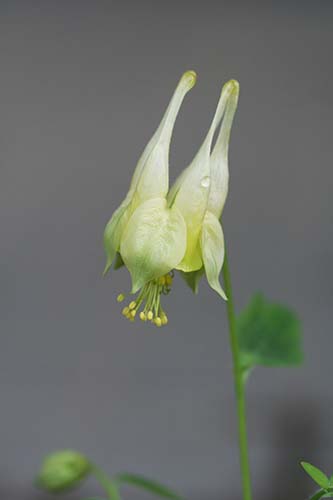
(205, 181)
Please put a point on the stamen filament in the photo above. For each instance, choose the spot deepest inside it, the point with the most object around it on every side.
(150, 295)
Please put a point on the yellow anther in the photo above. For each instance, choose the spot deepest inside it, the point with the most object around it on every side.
(168, 279)
(133, 313)
(161, 280)
(158, 321)
(150, 315)
(164, 319)
(132, 305)
(125, 311)
(120, 297)
(143, 317)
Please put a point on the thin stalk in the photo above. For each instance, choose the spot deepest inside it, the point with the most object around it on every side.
(109, 486)
(239, 385)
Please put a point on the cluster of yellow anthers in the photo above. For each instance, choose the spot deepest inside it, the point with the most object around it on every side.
(149, 300)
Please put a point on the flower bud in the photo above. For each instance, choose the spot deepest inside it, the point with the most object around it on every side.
(62, 471)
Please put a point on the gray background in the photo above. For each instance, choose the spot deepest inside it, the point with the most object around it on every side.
(82, 87)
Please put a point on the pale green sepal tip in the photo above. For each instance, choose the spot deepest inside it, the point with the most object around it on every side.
(215, 285)
(192, 279)
(118, 262)
(107, 267)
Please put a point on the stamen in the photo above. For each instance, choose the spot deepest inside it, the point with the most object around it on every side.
(150, 315)
(164, 319)
(125, 311)
(150, 296)
(158, 321)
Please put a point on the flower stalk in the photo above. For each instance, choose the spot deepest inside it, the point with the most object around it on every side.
(239, 384)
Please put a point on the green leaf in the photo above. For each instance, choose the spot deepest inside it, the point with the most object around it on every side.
(147, 484)
(317, 475)
(269, 334)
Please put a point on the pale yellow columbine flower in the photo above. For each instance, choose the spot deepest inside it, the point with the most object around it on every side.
(200, 193)
(154, 232)
(149, 236)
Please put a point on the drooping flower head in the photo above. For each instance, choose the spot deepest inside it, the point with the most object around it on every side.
(154, 232)
(149, 236)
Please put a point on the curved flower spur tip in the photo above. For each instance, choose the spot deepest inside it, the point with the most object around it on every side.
(219, 170)
(151, 176)
(229, 95)
(189, 79)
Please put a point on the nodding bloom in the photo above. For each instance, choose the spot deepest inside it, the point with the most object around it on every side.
(148, 235)
(154, 231)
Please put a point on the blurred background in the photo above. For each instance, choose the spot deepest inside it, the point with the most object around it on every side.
(83, 87)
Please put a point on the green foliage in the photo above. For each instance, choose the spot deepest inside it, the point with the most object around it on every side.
(147, 484)
(319, 494)
(269, 335)
(62, 471)
(317, 475)
(321, 479)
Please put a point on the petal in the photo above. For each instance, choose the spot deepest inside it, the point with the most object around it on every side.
(151, 176)
(193, 278)
(153, 241)
(212, 246)
(219, 171)
(192, 260)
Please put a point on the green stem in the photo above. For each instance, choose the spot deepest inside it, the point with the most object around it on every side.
(109, 486)
(318, 495)
(239, 385)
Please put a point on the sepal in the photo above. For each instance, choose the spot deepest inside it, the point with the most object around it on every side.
(212, 247)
